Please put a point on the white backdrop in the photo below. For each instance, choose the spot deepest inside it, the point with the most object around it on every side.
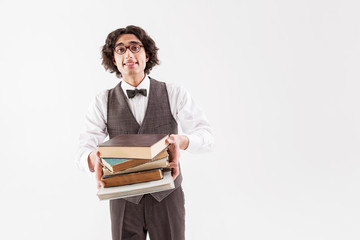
(278, 80)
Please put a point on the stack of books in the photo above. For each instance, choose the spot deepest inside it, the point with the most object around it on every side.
(133, 164)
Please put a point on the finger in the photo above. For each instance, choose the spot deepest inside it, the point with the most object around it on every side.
(175, 172)
(173, 150)
(170, 139)
(173, 165)
(98, 174)
(98, 163)
(99, 181)
(174, 156)
(100, 184)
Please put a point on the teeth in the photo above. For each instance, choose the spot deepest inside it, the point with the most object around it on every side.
(127, 64)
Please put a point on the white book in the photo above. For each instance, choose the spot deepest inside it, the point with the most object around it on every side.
(137, 189)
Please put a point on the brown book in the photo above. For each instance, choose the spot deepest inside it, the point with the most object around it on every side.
(120, 164)
(130, 178)
(138, 146)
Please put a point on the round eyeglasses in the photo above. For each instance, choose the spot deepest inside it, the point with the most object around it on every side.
(134, 48)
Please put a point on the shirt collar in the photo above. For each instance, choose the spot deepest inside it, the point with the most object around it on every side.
(145, 84)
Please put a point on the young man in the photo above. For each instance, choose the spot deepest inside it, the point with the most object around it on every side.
(141, 105)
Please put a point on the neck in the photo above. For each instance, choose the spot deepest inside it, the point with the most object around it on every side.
(134, 80)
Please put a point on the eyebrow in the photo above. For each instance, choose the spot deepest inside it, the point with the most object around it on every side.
(131, 42)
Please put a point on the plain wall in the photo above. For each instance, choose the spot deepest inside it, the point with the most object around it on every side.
(278, 80)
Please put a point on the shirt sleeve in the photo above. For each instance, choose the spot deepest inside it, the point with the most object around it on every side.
(192, 120)
(95, 130)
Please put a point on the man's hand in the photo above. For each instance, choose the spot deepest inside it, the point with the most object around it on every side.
(174, 155)
(95, 165)
(177, 142)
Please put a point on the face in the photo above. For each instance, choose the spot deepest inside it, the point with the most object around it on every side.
(130, 64)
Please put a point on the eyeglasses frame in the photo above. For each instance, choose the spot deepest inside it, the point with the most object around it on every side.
(128, 47)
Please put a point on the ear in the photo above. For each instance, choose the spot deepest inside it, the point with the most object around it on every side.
(114, 61)
(147, 57)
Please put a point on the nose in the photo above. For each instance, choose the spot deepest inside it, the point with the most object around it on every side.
(128, 53)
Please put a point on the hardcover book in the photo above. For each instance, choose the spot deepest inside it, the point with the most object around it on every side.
(157, 163)
(138, 146)
(163, 184)
(119, 164)
(131, 178)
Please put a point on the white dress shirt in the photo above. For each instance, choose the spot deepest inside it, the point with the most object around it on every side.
(188, 115)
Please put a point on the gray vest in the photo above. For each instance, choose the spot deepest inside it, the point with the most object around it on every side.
(158, 119)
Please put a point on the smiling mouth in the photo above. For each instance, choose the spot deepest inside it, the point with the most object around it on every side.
(130, 64)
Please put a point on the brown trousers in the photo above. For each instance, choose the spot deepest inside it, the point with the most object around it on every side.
(163, 220)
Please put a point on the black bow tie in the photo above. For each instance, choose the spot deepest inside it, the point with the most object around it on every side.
(132, 93)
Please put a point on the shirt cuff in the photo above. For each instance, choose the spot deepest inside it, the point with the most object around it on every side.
(84, 162)
(194, 143)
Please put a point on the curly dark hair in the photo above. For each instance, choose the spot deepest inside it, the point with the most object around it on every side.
(146, 40)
